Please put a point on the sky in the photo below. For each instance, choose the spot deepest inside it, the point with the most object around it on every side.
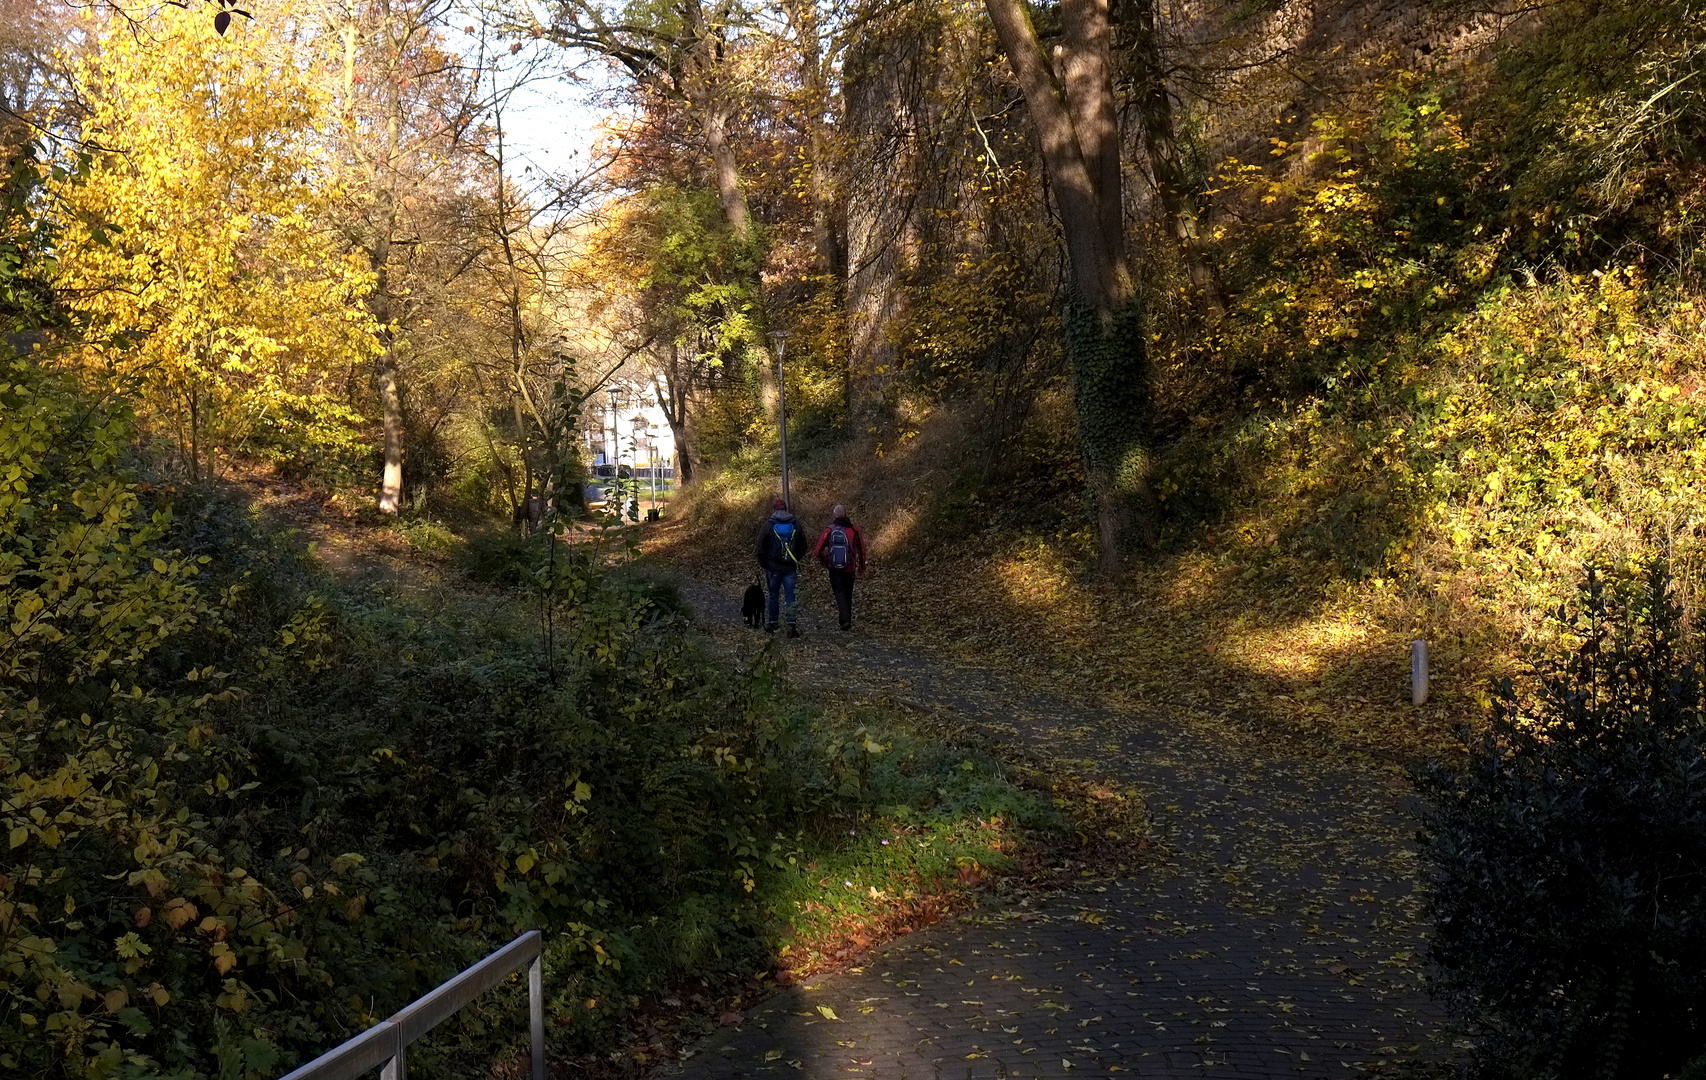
(552, 124)
(553, 120)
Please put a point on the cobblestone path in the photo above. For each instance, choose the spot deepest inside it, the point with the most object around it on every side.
(1280, 939)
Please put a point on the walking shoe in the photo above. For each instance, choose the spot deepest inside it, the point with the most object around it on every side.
(769, 628)
(793, 631)
(846, 626)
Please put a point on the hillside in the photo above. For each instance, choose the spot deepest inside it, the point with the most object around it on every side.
(1459, 361)
(1182, 362)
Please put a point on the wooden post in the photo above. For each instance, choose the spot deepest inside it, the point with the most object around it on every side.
(1418, 672)
(398, 1067)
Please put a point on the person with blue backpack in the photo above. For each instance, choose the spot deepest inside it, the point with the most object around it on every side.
(781, 549)
(841, 550)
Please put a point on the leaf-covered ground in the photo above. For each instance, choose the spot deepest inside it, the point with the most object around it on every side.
(1283, 938)
(1187, 633)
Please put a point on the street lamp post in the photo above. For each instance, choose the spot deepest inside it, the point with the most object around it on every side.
(613, 449)
(780, 337)
(642, 429)
(615, 399)
(652, 463)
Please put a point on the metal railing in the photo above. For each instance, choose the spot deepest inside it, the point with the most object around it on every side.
(386, 1043)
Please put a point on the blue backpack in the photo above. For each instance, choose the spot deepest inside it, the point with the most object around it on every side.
(840, 550)
(784, 533)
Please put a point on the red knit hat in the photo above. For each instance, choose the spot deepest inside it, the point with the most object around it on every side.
(778, 505)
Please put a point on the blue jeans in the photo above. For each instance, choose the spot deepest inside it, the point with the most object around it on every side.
(782, 584)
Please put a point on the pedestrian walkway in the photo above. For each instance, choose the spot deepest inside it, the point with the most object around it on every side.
(1282, 938)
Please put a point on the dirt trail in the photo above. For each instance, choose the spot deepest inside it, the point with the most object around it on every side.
(1283, 939)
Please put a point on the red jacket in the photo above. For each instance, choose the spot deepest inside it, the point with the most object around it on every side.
(853, 538)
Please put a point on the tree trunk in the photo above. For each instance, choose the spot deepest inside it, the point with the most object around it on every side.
(391, 411)
(683, 452)
(1075, 118)
(1173, 186)
(1087, 77)
(386, 375)
(673, 397)
(882, 102)
(386, 380)
(715, 112)
(715, 116)
(1094, 257)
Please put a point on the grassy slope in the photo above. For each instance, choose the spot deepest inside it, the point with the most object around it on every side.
(914, 822)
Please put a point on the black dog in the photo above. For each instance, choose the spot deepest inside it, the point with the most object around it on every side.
(752, 606)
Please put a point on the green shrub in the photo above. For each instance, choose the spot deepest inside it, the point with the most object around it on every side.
(1568, 856)
(247, 815)
(430, 538)
(121, 919)
(501, 557)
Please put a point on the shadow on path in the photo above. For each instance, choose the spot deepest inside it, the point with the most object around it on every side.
(1283, 939)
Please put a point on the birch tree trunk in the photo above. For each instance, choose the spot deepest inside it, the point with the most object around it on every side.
(376, 242)
(387, 379)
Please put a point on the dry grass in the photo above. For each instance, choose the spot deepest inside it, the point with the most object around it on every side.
(1329, 664)
(888, 485)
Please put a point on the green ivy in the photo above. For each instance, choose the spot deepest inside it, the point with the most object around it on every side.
(1111, 395)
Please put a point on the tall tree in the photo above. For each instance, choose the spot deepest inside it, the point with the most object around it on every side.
(690, 53)
(404, 101)
(194, 247)
(1073, 107)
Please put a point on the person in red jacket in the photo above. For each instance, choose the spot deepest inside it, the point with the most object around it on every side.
(842, 552)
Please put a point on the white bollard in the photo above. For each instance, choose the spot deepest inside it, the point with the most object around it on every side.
(1418, 672)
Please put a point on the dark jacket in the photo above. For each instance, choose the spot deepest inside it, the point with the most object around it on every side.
(772, 553)
(853, 538)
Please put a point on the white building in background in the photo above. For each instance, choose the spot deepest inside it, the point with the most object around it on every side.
(627, 429)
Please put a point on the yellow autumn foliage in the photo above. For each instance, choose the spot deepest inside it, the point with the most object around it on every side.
(197, 244)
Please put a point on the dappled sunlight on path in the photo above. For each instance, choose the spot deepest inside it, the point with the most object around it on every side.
(1283, 939)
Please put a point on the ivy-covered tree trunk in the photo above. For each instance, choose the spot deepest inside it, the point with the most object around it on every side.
(1110, 393)
(1072, 106)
